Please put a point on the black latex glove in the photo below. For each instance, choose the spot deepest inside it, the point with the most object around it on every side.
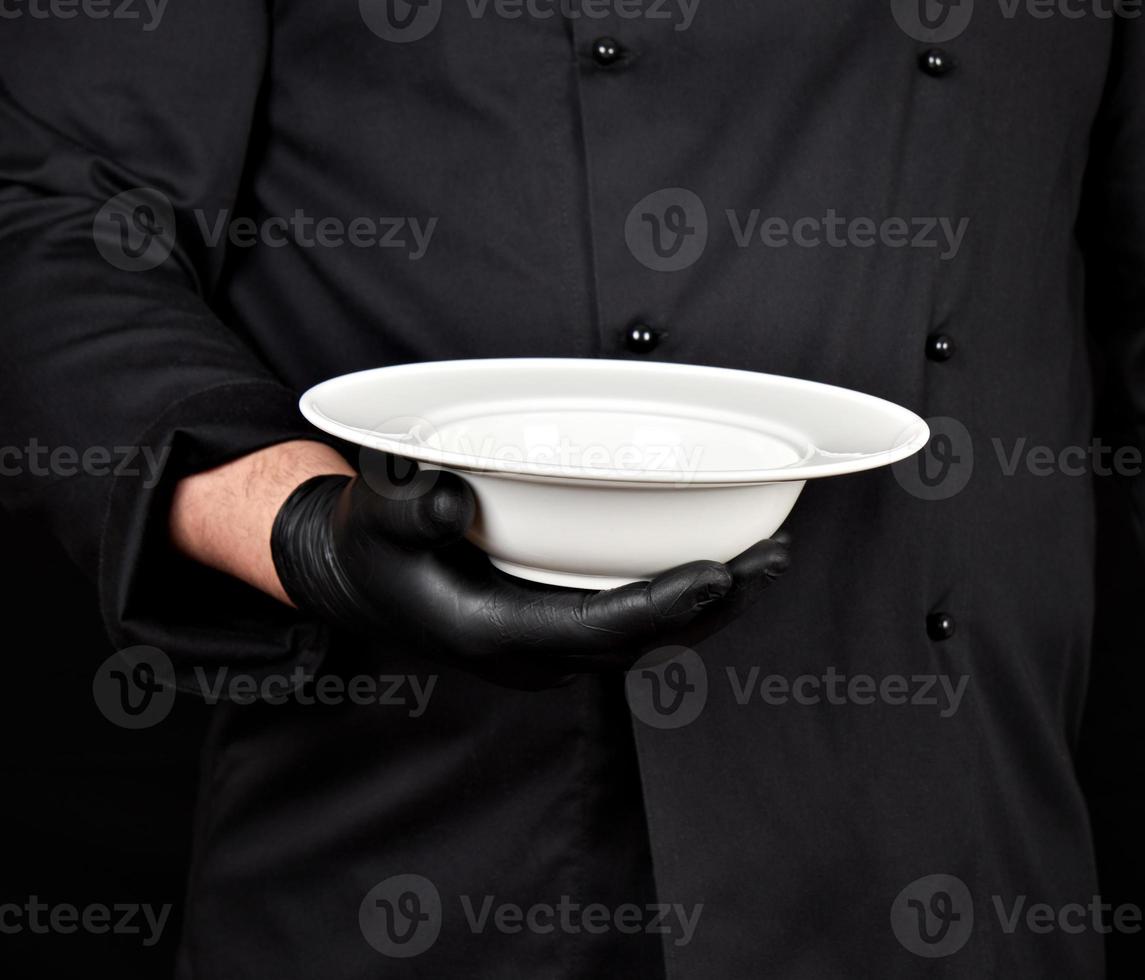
(393, 562)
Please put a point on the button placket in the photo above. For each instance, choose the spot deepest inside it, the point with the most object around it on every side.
(608, 49)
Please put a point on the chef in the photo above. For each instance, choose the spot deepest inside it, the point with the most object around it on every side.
(506, 180)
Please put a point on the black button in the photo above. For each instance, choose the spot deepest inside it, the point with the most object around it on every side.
(939, 347)
(606, 51)
(940, 626)
(641, 339)
(936, 62)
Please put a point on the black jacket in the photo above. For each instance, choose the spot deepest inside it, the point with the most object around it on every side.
(556, 193)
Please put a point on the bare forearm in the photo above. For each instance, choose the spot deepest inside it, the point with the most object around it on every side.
(223, 517)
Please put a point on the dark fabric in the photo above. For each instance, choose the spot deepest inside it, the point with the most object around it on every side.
(795, 827)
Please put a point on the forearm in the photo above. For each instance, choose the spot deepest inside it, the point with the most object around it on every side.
(223, 517)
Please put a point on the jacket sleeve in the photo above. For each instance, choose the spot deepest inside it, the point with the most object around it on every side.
(116, 376)
(1112, 758)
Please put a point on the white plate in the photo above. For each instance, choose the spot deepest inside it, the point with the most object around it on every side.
(594, 473)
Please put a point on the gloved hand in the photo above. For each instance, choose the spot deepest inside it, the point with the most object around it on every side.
(385, 557)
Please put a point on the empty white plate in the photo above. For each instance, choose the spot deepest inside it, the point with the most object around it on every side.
(595, 473)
